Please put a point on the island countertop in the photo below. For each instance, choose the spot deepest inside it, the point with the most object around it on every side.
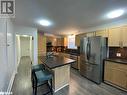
(56, 61)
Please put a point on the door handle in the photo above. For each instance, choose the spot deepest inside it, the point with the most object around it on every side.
(87, 52)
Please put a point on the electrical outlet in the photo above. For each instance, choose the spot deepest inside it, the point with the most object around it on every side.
(118, 54)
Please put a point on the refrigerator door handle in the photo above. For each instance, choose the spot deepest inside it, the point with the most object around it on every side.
(87, 50)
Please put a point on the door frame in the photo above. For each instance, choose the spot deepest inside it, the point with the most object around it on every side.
(17, 60)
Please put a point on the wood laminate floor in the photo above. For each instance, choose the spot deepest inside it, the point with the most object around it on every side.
(78, 84)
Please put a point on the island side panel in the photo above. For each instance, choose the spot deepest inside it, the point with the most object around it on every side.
(61, 77)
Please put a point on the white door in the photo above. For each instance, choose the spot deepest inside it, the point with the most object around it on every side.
(3, 62)
(10, 47)
(25, 46)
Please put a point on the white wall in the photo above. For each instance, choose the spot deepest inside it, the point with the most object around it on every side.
(18, 49)
(31, 48)
(7, 55)
(22, 30)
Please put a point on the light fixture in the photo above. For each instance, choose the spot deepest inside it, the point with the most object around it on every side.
(25, 35)
(115, 13)
(44, 22)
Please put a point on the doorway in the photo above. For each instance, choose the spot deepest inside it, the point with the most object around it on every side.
(24, 47)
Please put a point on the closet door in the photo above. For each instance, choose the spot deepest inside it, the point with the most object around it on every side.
(10, 47)
(3, 53)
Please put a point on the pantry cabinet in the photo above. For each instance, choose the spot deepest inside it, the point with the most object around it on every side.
(115, 74)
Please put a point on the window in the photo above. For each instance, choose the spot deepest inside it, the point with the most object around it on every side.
(71, 42)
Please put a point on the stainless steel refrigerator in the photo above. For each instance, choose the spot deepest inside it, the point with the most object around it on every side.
(92, 52)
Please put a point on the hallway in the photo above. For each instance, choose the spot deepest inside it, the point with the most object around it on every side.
(22, 82)
(78, 84)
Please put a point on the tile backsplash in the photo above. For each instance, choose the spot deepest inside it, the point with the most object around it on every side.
(117, 52)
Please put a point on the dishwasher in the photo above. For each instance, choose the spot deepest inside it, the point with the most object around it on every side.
(76, 64)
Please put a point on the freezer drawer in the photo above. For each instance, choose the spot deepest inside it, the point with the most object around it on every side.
(91, 71)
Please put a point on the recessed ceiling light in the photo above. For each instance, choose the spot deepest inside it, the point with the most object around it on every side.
(45, 22)
(115, 14)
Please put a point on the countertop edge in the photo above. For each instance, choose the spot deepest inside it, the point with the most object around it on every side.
(59, 65)
(117, 61)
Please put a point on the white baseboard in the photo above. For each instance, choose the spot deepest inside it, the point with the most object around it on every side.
(11, 82)
(61, 87)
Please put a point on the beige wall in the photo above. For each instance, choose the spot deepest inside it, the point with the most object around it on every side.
(41, 44)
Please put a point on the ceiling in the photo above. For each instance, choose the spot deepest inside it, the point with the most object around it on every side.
(67, 16)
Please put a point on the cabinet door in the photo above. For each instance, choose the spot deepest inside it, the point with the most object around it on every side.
(41, 44)
(115, 36)
(65, 41)
(115, 74)
(119, 77)
(78, 38)
(124, 36)
(108, 72)
(60, 42)
(91, 34)
(102, 33)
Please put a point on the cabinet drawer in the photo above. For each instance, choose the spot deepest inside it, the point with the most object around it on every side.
(109, 64)
(122, 67)
(119, 78)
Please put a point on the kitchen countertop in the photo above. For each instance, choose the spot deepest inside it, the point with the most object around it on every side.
(76, 54)
(117, 60)
(56, 61)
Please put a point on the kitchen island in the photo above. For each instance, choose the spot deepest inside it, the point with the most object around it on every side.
(60, 66)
